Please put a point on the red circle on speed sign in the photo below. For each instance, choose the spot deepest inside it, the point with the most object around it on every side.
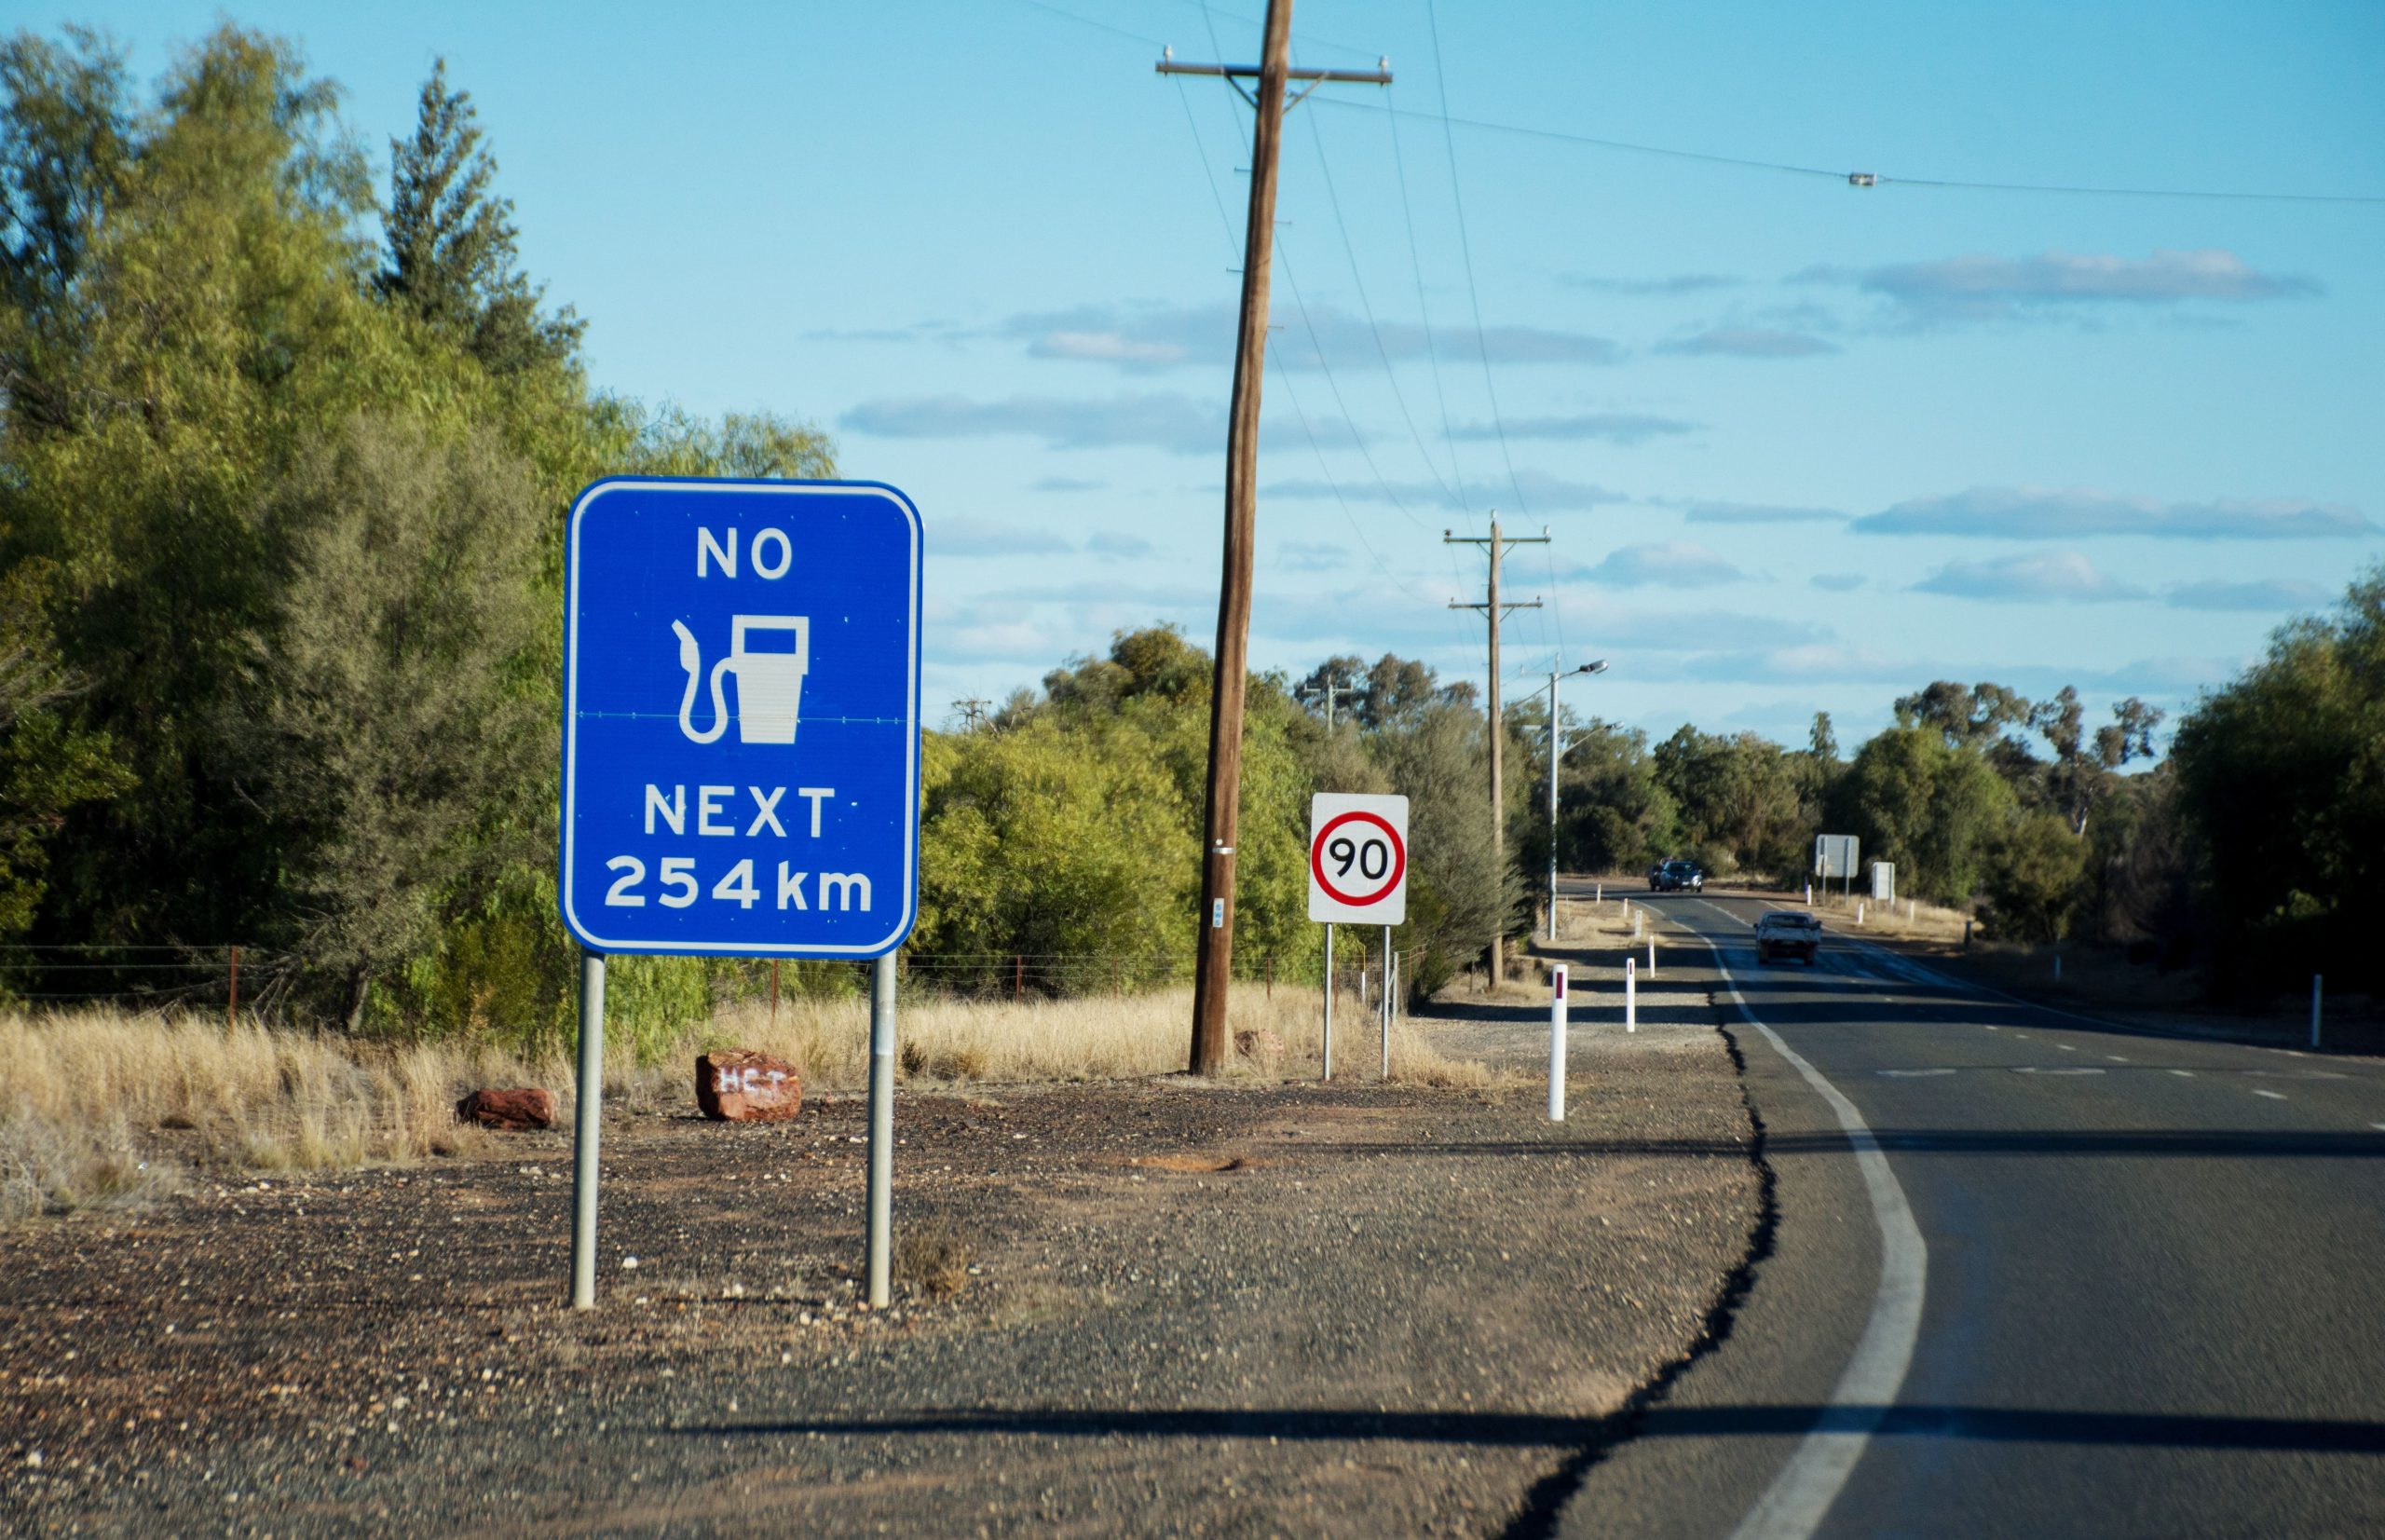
(1398, 867)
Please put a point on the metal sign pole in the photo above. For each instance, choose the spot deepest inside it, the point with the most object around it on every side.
(881, 1131)
(587, 1120)
(1329, 1001)
(1384, 1006)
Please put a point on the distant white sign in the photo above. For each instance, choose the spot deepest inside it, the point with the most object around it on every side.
(1834, 854)
(1358, 858)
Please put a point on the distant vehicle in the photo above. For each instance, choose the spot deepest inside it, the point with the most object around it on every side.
(1785, 932)
(1676, 876)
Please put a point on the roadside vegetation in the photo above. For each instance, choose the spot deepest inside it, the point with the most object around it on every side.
(285, 460)
(107, 1108)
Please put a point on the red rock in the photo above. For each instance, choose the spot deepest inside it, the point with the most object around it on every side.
(745, 1085)
(520, 1108)
(1261, 1043)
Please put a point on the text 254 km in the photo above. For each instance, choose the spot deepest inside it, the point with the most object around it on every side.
(679, 885)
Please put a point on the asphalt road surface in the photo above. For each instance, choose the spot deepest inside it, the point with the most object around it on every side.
(2029, 1275)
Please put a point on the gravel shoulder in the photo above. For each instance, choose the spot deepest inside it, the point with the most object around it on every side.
(1150, 1307)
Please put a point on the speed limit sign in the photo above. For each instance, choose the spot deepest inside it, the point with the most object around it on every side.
(1358, 858)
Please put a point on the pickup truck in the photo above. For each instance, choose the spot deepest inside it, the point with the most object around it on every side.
(1785, 933)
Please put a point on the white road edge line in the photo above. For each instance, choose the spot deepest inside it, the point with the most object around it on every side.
(1800, 1497)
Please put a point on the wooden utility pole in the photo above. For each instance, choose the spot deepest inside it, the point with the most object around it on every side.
(1494, 610)
(1214, 956)
(1329, 689)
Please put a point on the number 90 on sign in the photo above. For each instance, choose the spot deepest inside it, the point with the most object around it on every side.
(1359, 859)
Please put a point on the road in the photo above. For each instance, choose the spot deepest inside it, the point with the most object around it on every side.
(2029, 1275)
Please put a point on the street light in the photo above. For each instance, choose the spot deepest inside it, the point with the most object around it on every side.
(1555, 748)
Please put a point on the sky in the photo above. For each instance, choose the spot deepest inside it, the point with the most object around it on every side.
(1798, 444)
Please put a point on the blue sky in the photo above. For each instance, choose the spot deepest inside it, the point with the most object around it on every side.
(1801, 446)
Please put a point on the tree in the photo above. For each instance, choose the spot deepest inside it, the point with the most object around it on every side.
(1933, 808)
(387, 721)
(2033, 876)
(2281, 781)
(452, 259)
(48, 762)
(1822, 743)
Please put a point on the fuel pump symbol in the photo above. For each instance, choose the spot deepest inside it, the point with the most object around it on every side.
(769, 685)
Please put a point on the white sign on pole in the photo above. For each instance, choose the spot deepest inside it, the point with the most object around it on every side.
(1358, 858)
(1834, 854)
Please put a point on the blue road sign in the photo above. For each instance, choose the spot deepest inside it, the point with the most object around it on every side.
(741, 736)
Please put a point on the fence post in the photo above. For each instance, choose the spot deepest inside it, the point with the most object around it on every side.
(775, 994)
(1018, 978)
(232, 1009)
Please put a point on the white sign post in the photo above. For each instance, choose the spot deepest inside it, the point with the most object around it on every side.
(1357, 875)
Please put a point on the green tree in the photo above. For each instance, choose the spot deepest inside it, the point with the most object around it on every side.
(1933, 808)
(48, 762)
(386, 727)
(451, 258)
(2033, 874)
(2281, 781)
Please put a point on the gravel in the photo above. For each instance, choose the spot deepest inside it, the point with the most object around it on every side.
(1157, 1307)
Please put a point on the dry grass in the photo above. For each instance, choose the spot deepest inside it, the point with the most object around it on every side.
(102, 1106)
(934, 1258)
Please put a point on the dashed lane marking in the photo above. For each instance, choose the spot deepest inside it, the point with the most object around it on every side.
(2184, 1074)
(2273, 1096)
(1916, 1073)
(2117, 1058)
(2055, 1070)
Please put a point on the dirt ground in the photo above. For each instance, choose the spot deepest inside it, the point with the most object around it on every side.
(1148, 1307)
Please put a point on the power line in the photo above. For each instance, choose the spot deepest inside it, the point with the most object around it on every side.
(1474, 294)
(1859, 179)
(1357, 279)
(1425, 313)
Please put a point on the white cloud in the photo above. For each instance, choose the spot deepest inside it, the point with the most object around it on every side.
(1750, 342)
(1540, 492)
(1697, 510)
(1676, 283)
(2033, 514)
(1175, 424)
(2264, 594)
(1977, 287)
(1625, 427)
(2064, 575)
(977, 537)
(1144, 338)
(1674, 563)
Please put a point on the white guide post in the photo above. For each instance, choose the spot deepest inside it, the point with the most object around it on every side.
(2317, 982)
(1556, 1043)
(1631, 994)
(587, 1122)
(1329, 1002)
(880, 1245)
(1652, 956)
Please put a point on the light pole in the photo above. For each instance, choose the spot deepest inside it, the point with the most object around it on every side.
(1555, 748)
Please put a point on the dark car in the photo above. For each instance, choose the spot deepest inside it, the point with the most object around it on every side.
(1676, 876)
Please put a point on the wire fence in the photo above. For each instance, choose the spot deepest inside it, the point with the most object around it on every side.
(240, 977)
